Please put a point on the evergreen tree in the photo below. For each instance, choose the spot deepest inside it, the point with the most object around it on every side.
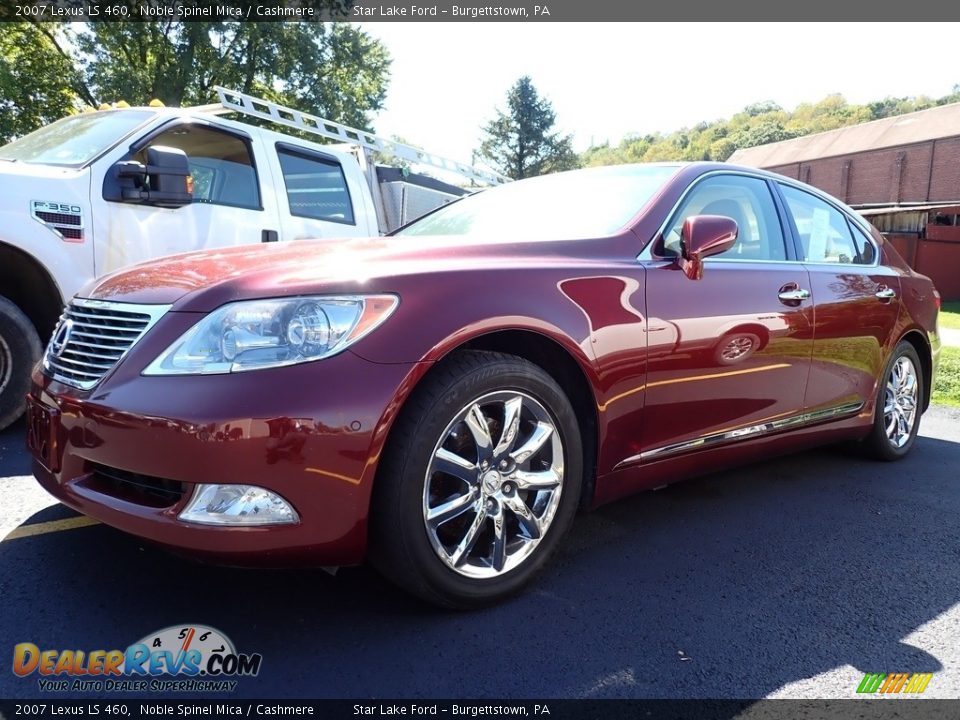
(521, 142)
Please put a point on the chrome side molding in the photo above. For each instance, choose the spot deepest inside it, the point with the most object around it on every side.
(745, 433)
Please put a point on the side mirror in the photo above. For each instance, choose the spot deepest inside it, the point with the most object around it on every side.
(165, 180)
(703, 236)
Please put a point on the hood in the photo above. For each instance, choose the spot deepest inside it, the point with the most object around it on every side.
(202, 281)
(36, 170)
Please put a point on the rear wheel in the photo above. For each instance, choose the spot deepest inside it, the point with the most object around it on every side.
(480, 481)
(20, 350)
(898, 407)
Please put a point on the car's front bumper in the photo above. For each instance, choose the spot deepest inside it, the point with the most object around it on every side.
(130, 453)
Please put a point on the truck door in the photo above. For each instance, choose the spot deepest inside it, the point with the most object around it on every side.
(233, 199)
(318, 197)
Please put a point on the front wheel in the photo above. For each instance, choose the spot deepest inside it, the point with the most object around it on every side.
(20, 349)
(735, 348)
(898, 406)
(480, 480)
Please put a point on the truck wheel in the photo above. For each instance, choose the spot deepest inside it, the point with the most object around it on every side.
(480, 481)
(20, 350)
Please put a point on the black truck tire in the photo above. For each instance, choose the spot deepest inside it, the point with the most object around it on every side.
(20, 350)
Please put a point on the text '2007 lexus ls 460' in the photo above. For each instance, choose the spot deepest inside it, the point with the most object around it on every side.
(442, 401)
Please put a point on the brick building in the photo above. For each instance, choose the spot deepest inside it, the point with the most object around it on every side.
(901, 173)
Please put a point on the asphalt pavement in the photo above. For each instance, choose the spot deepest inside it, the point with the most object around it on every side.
(788, 578)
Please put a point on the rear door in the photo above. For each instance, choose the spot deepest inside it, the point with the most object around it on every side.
(856, 302)
(317, 197)
(728, 353)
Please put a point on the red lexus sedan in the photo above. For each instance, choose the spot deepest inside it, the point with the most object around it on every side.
(442, 401)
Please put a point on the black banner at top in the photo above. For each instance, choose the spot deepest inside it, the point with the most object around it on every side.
(855, 11)
(891, 709)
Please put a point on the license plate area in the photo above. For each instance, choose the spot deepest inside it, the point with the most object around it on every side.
(43, 431)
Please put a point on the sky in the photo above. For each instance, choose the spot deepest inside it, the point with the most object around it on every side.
(606, 80)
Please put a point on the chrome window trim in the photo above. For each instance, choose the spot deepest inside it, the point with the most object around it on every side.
(747, 432)
(741, 261)
(154, 312)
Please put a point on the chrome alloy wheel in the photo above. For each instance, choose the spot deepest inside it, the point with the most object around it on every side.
(737, 348)
(493, 484)
(900, 402)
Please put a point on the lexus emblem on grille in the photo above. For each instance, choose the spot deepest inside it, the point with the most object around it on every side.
(61, 337)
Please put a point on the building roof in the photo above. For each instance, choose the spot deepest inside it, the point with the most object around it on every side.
(930, 124)
(916, 207)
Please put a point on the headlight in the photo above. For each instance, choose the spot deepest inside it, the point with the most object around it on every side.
(257, 334)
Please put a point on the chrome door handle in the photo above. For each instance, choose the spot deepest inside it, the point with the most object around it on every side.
(794, 295)
(885, 293)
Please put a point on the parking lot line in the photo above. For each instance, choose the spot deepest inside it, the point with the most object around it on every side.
(50, 527)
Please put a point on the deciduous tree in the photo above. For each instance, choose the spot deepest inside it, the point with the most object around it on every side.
(333, 69)
(38, 83)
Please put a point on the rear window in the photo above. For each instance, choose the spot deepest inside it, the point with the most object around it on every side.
(75, 140)
(316, 187)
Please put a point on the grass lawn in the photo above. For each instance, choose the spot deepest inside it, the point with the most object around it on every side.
(946, 391)
(950, 315)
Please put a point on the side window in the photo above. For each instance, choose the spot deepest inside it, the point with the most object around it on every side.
(825, 235)
(747, 201)
(316, 187)
(865, 246)
(220, 163)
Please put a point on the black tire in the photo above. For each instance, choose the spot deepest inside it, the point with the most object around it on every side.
(399, 544)
(20, 349)
(878, 444)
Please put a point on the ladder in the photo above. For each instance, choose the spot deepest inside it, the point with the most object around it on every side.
(368, 142)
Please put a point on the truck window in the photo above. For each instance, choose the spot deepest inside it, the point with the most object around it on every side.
(316, 187)
(221, 165)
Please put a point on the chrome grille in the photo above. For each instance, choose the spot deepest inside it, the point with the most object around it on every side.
(93, 336)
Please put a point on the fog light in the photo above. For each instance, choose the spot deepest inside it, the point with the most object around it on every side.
(238, 505)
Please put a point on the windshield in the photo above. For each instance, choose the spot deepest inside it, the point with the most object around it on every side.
(596, 202)
(74, 140)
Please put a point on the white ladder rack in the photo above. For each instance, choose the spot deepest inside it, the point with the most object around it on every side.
(267, 110)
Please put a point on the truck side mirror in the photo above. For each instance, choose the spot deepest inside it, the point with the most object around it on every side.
(165, 180)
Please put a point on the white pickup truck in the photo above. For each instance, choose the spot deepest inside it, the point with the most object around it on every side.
(95, 192)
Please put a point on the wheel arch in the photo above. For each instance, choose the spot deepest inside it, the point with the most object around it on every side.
(27, 284)
(551, 356)
(759, 329)
(916, 338)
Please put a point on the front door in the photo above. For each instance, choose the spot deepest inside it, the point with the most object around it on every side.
(233, 203)
(730, 353)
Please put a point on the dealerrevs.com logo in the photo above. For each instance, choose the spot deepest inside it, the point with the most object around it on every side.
(187, 658)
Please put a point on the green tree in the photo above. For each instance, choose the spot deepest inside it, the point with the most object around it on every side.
(333, 69)
(521, 142)
(38, 84)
